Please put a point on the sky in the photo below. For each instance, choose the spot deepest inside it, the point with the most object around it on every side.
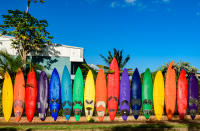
(152, 32)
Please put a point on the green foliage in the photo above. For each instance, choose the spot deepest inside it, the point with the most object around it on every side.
(199, 83)
(178, 67)
(30, 34)
(35, 1)
(91, 120)
(9, 63)
(12, 63)
(118, 54)
(86, 68)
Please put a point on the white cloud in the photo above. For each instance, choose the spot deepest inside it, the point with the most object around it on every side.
(166, 1)
(130, 1)
(114, 4)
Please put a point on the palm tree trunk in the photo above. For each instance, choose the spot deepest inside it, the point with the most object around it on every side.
(24, 59)
(27, 9)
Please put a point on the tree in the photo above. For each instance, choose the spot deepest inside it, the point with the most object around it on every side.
(29, 2)
(30, 34)
(11, 64)
(118, 54)
(178, 67)
(85, 68)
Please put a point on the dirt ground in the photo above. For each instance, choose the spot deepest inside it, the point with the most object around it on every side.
(83, 121)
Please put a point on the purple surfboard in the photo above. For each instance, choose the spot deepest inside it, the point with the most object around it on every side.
(42, 95)
(124, 95)
(193, 95)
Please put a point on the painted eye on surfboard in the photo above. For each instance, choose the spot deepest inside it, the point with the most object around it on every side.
(125, 102)
(77, 102)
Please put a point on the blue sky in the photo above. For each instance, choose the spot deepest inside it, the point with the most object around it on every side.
(152, 32)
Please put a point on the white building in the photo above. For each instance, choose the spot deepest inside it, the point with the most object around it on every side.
(55, 56)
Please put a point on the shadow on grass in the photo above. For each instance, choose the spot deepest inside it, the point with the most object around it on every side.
(12, 129)
(8, 129)
(189, 125)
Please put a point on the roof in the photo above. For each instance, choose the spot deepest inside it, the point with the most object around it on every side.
(5, 37)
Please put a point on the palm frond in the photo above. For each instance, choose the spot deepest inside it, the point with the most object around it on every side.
(105, 59)
(125, 61)
(103, 67)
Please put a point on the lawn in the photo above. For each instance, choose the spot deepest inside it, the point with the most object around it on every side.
(104, 126)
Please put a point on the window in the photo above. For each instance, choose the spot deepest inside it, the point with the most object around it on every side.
(74, 66)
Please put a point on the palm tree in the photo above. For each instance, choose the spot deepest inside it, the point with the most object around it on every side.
(118, 54)
(9, 63)
(12, 63)
(29, 2)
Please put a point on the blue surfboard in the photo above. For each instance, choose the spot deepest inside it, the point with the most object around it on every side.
(54, 94)
(136, 94)
(66, 93)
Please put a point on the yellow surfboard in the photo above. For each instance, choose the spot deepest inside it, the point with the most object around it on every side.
(158, 95)
(7, 96)
(89, 95)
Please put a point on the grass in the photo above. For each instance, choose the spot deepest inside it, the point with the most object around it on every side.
(112, 127)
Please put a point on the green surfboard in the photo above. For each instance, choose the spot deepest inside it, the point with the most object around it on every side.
(78, 94)
(147, 94)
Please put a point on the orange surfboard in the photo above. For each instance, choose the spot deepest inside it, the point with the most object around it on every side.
(170, 91)
(19, 95)
(101, 95)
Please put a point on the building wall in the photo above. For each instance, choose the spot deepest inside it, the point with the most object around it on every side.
(57, 62)
(54, 56)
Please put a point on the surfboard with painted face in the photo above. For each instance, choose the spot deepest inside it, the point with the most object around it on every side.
(101, 95)
(78, 94)
(124, 95)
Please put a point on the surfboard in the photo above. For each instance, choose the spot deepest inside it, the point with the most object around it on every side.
(193, 95)
(182, 94)
(42, 95)
(89, 95)
(66, 93)
(101, 95)
(170, 91)
(124, 95)
(113, 89)
(31, 95)
(19, 95)
(158, 95)
(78, 94)
(147, 94)
(54, 94)
(136, 94)
(7, 96)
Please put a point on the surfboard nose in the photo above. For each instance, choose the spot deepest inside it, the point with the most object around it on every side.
(77, 117)
(112, 116)
(67, 117)
(101, 118)
(136, 116)
(17, 119)
(169, 116)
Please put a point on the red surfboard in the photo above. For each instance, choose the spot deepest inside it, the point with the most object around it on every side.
(113, 89)
(31, 95)
(182, 94)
